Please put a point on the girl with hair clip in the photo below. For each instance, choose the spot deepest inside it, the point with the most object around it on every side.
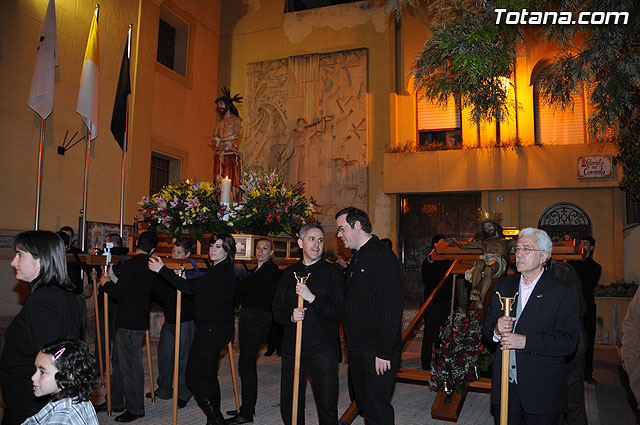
(51, 311)
(65, 371)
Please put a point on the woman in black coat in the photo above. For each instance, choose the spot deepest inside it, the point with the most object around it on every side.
(213, 313)
(51, 311)
(256, 291)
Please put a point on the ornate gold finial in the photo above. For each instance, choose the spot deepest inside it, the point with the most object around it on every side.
(484, 215)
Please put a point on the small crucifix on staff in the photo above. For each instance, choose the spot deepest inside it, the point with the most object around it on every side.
(507, 304)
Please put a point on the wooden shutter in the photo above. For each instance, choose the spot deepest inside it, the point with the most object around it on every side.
(556, 127)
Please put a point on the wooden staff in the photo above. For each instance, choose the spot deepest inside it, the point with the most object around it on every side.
(296, 363)
(506, 303)
(176, 357)
(453, 297)
(107, 351)
(153, 392)
(233, 376)
(98, 332)
(296, 367)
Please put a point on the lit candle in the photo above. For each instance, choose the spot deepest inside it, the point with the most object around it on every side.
(225, 196)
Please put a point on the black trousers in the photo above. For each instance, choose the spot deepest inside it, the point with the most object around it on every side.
(435, 317)
(590, 337)
(576, 412)
(253, 328)
(517, 416)
(323, 369)
(20, 402)
(204, 357)
(373, 392)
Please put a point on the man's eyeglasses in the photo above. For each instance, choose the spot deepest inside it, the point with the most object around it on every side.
(341, 228)
(524, 249)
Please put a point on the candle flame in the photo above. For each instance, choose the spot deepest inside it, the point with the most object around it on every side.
(187, 181)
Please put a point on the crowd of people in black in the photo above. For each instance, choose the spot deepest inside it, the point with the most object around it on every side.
(365, 296)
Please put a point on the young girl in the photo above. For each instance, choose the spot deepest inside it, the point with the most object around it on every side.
(64, 370)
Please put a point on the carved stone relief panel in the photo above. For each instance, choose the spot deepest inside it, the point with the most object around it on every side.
(308, 116)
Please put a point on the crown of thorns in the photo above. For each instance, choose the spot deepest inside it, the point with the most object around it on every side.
(227, 94)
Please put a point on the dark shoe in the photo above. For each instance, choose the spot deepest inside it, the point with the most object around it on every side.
(239, 419)
(103, 408)
(148, 395)
(268, 353)
(128, 417)
(182, 403)
(233, 412)
(211, 410)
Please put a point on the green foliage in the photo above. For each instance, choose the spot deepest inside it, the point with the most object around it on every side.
(467, 53)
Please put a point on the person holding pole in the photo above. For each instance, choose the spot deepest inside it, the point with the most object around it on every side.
(166, 294)
(542, 327)
(256, 291)
(320, 285)
(132, 289)
(213, 313)
(372, 320)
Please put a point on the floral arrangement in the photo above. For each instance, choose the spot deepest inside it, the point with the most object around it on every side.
(186, 205)
(456, 361)
(270, 205)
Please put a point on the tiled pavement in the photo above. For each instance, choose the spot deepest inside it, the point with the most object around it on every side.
(412, 403)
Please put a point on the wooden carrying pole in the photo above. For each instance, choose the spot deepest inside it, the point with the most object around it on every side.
(98, 332)
(107, 351)
(296, 367)
(506, 304)
(233, 376)
(176, 357)
(151, 384)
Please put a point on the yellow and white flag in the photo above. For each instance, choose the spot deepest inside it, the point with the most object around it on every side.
(88, 96)
(41, 93)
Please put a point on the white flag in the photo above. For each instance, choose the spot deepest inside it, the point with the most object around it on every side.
(88, 95)
(41, 94)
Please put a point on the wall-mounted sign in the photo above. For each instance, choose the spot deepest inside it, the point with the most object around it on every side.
(595, 166)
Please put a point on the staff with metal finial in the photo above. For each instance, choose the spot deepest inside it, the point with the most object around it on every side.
(296, 364)
(506, 303)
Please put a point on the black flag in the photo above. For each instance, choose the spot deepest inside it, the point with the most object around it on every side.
(119, 116)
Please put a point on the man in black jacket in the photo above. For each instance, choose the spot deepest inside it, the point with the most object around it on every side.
(132, 289)
(321, 285)
(372, 316)
(543, 330)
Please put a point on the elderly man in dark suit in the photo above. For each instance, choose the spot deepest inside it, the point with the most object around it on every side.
(545, 328)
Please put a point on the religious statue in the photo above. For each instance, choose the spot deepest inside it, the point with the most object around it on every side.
(495, 258)
(227, 158)
(295, 152)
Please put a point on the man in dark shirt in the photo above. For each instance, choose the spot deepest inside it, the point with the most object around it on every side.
(321, 285)
(119, 251)
(166, 294)
(132, 289)
(589, 272)
(372, 316)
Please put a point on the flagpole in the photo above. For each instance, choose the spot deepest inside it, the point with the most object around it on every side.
(41, 92)
(39, 183)
(90, 123)
(124, 147)
(83, 226)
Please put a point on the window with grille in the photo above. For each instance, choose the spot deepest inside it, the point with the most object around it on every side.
(173, 41)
